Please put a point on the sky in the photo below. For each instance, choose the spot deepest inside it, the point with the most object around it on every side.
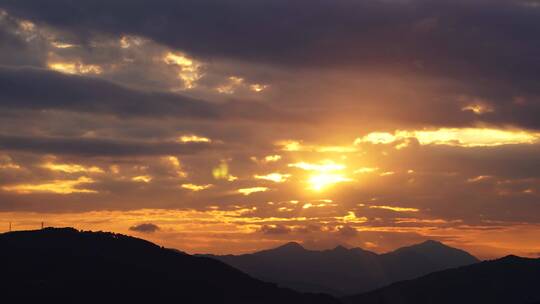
(230, 126)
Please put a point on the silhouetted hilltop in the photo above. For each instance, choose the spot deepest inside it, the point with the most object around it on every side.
(413, 261)
(509, 280)
(341, 271)
(65, 265)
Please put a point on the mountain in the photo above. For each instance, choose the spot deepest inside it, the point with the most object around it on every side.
(68, 266)
(342, 271)
(510, 280)
(413, 261)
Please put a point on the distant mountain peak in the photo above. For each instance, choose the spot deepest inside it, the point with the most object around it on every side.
(511, 258)
(426, 245)
(290, 246)
(432, 243)
(340, 248)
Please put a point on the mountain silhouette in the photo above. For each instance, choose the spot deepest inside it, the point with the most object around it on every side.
(509, 280)
(420, 259)
(342, 271)
(63, 265)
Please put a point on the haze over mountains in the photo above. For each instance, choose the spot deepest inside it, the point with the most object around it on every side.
(342, 271)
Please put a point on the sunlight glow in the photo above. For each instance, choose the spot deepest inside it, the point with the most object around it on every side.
(275, 177)
(366, 170)
(376, 138)
(321, 181)
(289, 145)
(295, 146)
(325, 173)
(324, 166)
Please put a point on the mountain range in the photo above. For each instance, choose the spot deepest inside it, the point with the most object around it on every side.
(341, 271)
(63, 265)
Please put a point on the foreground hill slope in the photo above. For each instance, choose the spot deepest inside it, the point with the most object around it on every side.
(65, 265)
(509, 280)
(342, 271)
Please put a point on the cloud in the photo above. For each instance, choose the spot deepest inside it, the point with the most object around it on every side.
(37, 89)
(57, 186)
(402, 33)
(275, 229)
(140, 101)
(394, 208)
(465, 137)
(145, 228)
(347, 231)
(248, 191)
(96, 146)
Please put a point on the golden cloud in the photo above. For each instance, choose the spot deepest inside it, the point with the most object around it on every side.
(296, 146)
(274, 177)
(56, 186)
(463, 137)
(142, 178)
(188, 69)
(248, 191)
(193, 138)
(75, 67)
(394, 208)
(195, 188)
(71, 168)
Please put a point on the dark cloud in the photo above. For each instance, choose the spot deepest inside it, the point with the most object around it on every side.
(29, 88)
(145, 228)
(96, 147)
(449, 34)
(460, 46)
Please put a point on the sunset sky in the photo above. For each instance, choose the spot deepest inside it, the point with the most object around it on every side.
(229, 126)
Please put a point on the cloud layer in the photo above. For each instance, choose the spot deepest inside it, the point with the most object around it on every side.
(372, 123)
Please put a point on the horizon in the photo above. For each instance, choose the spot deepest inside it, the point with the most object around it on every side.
(307, 247)
(229, 127)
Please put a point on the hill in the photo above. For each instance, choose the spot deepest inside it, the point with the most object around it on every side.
(69, 266)
(510, 280)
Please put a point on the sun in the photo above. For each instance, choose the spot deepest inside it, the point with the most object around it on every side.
(321, 181)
